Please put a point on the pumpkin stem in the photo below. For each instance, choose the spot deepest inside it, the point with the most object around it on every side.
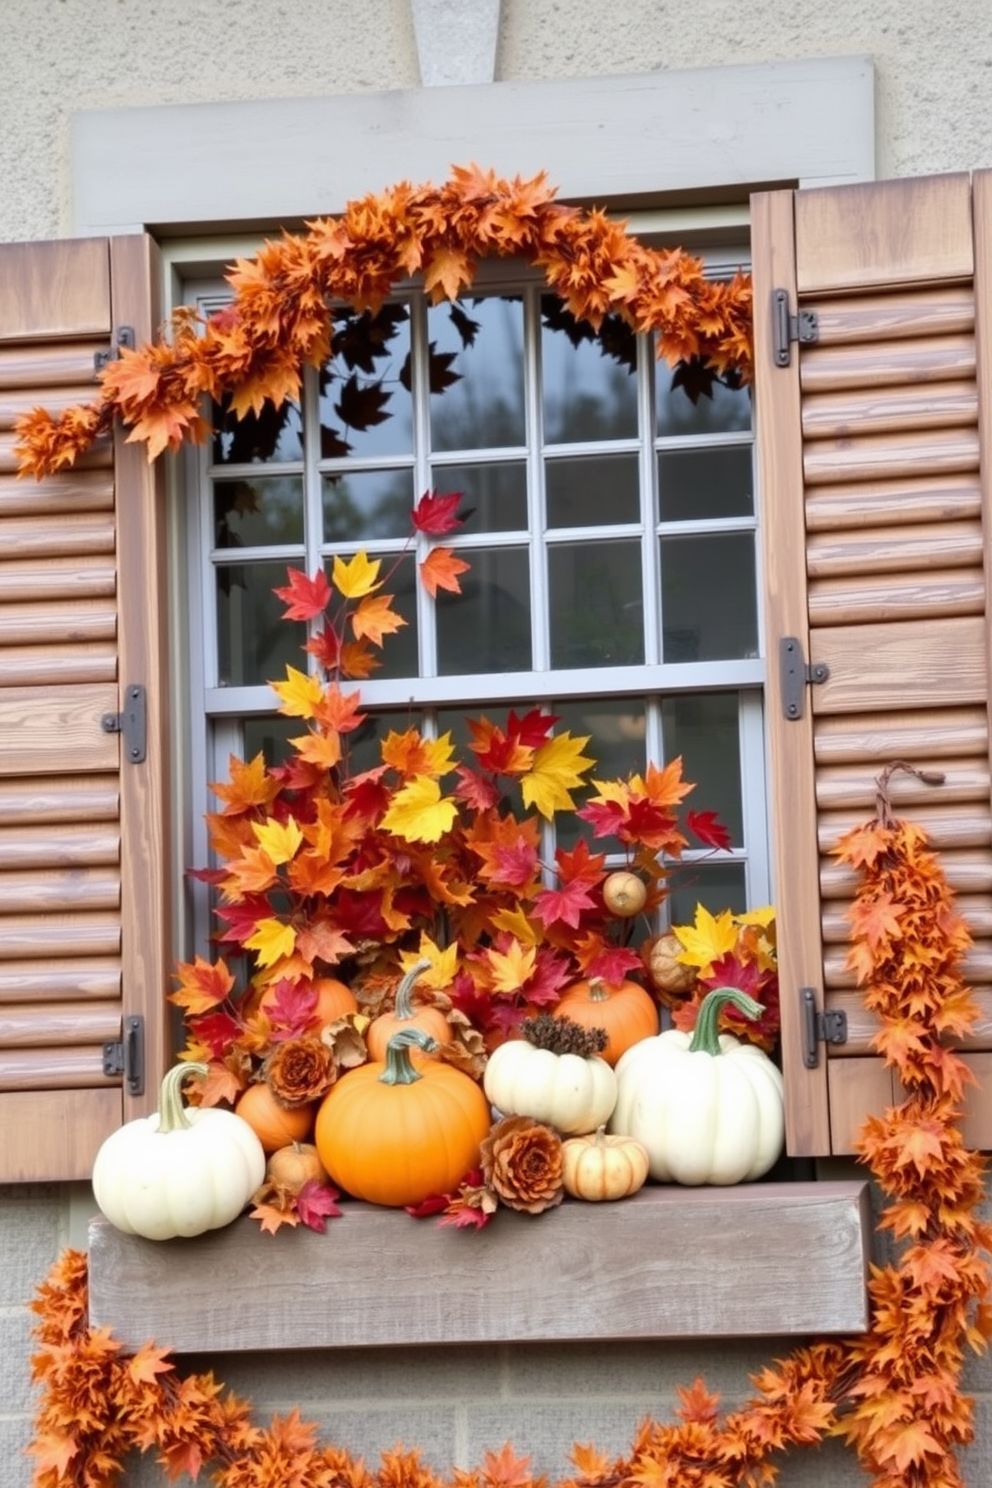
(404, 993)
(399, 1070)
(598, 992)
(171, 1111)
(706, 1038)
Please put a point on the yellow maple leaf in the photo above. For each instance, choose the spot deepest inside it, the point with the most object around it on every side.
(515, 922)
(708, 939)
(279, 840)
(323, 750)
(272, 940)
(300, 695)
(557, 770)
(418, 812)
(356, 578)
(444, 963)
(511, 968)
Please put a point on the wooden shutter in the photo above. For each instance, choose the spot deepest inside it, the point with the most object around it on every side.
(83, 832)
(874, 457)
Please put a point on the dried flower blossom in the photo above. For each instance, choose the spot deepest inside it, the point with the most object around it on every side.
(522, 1164)
(300, 1070)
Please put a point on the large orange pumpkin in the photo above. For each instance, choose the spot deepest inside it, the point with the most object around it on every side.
(625, 1011)
(392, 1133)
(429, 1020)
(274, 1124)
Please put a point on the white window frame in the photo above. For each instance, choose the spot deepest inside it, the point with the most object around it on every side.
(191, 173)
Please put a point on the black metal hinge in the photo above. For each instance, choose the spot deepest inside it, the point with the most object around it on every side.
(826, 1026)
(123, 336)
(132, 724)
(786, 328)
(794, 675)
(127, 1057)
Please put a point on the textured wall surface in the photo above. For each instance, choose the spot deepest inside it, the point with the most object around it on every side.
(934, 113)
(934, 65)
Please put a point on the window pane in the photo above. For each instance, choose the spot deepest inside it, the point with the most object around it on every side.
(254, 643)
(592, 491)
(691, 400)
(486, 628)
(259, 512)
(708, 605)
(597, 611)
(257, 438)
(590, 387)
(363, 504)
(705, 483)
(494, 496)
(718, 886)
(476, 373)
(365, 403)
(704, 729)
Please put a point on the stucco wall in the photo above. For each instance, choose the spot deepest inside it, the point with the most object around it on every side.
(934, 65)
(934, 113)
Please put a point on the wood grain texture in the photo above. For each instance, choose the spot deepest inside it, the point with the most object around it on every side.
(54, 1131)
(895, 233)
(47, 730)
(930, 310)
(53, 980)
(668, 1263)
(55, 290)
(882, 364)
(938, 498)
(793, 805)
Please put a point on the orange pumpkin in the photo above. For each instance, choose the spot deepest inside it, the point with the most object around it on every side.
(274, 1124)
(429, 1020)
(293, 1166)
(334, 1000)
(392, 1133)
(626, 1012)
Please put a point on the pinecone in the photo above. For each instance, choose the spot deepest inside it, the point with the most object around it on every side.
(563, 1035)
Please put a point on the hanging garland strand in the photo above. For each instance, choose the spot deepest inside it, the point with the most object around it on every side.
(281, 316)
(894, 1393)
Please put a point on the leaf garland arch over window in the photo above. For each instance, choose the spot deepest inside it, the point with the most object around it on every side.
(282, 314)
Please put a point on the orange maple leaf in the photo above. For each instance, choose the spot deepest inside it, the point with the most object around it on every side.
(147, 1363)
(272, 1218)
(374, 618)
(440, 570)
(504, 1469)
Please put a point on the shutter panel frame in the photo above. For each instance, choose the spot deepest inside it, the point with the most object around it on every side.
(895, 269)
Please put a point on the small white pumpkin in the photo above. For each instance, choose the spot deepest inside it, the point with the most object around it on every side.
(179, 1171)
(572, 1092)
(708, 1108)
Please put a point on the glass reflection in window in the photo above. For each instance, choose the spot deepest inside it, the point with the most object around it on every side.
(365, 403)
(589, 381)
(596, 604)
(475, 369)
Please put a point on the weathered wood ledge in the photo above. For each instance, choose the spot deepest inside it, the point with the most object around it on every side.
(761, 1259)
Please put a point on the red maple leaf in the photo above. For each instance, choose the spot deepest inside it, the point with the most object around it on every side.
(434, 513)
(316, 1203)
(708, 828)
(551, 971)
(217, 1030)
(580, 864)
(613, 963)
(305, 598)
(564, 905)
(475, 790)
(290, 1008)
(533, 729)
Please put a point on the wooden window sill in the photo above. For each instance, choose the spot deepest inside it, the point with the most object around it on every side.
(761, 1259)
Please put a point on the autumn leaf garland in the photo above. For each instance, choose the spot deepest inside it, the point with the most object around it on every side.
(281, 316)
(893, 1393)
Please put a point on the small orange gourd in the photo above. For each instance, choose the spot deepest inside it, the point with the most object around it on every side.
(429, 1020)
(624, 1011)
(598, 1167)
(392, 1133)
(293, 1166)
(274, 1124)
(624, 893)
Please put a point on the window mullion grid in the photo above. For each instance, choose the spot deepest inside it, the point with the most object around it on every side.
(422, 476)
(536, 500)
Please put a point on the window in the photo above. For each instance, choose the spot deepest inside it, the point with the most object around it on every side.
(610, 534)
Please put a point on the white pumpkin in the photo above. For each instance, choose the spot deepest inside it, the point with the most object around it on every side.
(179, 1171)
(574, 1093)
(708, 1108)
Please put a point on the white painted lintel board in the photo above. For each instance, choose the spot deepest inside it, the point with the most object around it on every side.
(630, 138)
(770, 1259)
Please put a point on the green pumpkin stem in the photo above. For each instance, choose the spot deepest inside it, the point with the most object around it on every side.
(171, 1111)
(399, 1070)
(706, 1037)
(404, 993)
